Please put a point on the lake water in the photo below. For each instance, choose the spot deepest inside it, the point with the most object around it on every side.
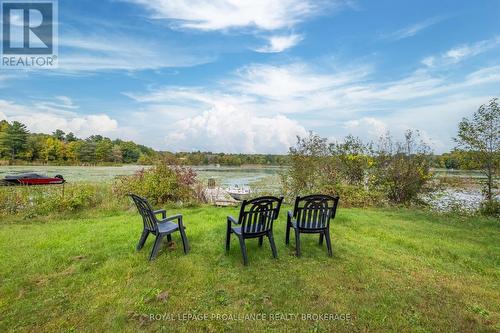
(224, 176)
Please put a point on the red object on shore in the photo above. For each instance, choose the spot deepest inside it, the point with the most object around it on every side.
(30, 179)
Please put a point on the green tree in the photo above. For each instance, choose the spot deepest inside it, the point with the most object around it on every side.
(59, 134)
(71, 150)
(130, 152)
(14, 139)
(85, 152)
(70, 137)
(104, 150)
(4, 150)
(481, 136)
(34, 147)
(53, 150)
(117, 154)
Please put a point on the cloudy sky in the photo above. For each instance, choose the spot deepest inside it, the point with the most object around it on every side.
(250, 75)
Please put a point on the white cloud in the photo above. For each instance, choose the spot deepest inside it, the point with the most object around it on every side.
(230, 130)
(461, 53)
(292, 81)
(232, 113)
(115, 52)
(228, 14)
(280, 43)
(484, 75)
(428, 61)
(413, 29)
(40, 118)
(366, 125)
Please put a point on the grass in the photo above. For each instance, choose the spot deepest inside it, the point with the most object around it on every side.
(392, 270)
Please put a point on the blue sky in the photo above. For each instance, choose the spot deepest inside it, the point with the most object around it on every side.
(248, 76)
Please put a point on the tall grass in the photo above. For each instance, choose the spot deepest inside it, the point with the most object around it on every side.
(30, 201)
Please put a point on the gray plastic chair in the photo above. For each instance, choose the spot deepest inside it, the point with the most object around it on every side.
(255, 221)
(312, 215)
(159, 228)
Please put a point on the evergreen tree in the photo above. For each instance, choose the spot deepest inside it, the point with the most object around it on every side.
(14, 139)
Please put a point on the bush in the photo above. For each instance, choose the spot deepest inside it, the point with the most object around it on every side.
(44, 200)
(160, 184)
(490, 208)
(356, 196)
(397, 172)
(402, 169)
(310, 167)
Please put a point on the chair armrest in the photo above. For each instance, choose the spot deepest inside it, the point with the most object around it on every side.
(232, 220)
(177, 217)
(163, 213)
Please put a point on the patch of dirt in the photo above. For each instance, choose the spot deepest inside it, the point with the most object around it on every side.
(163, 296)
(44, 279)
(142, 318)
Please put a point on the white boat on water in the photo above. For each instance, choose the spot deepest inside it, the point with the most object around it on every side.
(239, 193)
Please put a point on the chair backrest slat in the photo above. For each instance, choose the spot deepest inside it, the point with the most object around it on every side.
(148, 216)
(315, 211)
(257, 215)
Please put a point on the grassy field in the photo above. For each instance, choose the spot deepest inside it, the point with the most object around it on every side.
(392, 270)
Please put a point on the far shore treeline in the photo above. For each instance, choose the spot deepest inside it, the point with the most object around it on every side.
(19, 146)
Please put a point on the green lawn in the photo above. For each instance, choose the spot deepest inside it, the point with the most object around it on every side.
(392, 270)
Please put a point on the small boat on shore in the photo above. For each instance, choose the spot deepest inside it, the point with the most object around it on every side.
(239, 193)
(30, 179)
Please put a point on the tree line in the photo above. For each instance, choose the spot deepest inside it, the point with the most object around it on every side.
(17, 144)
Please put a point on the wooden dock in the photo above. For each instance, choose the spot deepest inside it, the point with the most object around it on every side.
(218, 196)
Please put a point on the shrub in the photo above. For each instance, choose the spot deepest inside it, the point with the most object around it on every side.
(395, 172)
(44, 200)
(352, 160)
(402, 169)
(490, 208)
(356, 196)
(160, 184)
(311, 167)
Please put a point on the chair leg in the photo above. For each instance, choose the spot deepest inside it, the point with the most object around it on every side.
(273, 245)
(169, 238)
(321, 239)
(243, 250)
(261, 239)
(228, 237)
(328, 242)
(156, 247)
(287, 237)
(142, 241)
(185, 243)
(297, 242)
